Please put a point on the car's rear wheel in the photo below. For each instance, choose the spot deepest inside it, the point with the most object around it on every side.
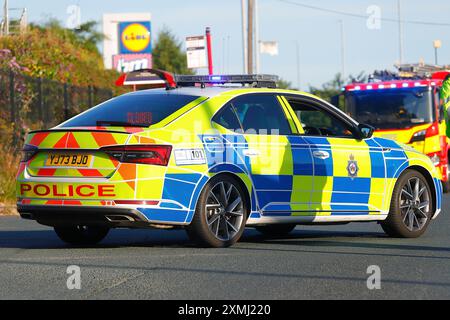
(276, 230)
(81, 234)
(221, 213)
(411, 207)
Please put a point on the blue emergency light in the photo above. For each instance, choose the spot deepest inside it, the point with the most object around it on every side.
(255, 80)
(155, 78)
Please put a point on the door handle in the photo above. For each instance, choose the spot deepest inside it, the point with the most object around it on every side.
(250, 152)
(321, 154)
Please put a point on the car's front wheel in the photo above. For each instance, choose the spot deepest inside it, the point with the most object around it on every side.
(81, 234)
(411, 207)
(221, 213)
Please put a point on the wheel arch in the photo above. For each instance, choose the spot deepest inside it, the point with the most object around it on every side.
(427, 175)
(243, 185)
(248, 191)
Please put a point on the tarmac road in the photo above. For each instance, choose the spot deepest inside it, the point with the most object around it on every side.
(320, 262)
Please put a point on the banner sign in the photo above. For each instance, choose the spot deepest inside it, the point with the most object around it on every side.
(196, 52)
(135, 37)
(124, 63)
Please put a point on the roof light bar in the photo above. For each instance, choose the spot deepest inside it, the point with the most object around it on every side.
(150, 77)
(256, 80)
(388, 85)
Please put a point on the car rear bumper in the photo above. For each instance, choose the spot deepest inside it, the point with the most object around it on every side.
(68, 215)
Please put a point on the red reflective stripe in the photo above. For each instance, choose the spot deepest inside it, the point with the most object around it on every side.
(38, 138)
(90, 172)
(61, 142)
(72, 142)
(72, 202)
(46, 172)
(104, 138)
(54, 202)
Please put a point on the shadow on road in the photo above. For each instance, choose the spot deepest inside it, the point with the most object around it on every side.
(298, 241)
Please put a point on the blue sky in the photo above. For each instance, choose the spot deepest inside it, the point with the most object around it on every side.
(317, 32)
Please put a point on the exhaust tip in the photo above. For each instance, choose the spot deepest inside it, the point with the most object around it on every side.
(119, 218)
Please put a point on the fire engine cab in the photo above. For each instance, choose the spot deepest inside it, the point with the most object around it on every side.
(406, 107)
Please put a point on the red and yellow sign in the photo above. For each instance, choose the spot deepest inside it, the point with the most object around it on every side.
(135, 37)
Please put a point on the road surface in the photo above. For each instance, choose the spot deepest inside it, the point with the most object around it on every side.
(320, 262)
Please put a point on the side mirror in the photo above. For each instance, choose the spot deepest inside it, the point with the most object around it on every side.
(365, 131)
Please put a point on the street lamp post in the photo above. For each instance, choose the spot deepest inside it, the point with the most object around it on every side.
(436, 44)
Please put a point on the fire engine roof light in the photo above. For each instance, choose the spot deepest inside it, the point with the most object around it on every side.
(256, 80)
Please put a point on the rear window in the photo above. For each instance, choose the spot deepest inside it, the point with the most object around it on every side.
(131, 110)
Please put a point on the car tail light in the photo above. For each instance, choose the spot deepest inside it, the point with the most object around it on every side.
(145, 154)
(28, 152)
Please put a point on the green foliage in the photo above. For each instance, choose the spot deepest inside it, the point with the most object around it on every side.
(330, 88)
(334, 86)
(168, 54)
(53, 52)
(284, 84)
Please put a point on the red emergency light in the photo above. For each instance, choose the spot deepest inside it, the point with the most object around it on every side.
(391, 85)
(148, 78)
(440, 75)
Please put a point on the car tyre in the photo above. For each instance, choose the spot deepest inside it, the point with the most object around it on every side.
(276, 230)
(446, 184)
(221, 213)
(81, 234)
(411, 207)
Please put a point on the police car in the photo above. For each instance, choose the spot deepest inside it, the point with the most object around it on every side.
(214, 154)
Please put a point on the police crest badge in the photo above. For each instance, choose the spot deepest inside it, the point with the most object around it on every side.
(352, 167)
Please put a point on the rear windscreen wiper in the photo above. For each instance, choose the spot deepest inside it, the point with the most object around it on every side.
(121, 124)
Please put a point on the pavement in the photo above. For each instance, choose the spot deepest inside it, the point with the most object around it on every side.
(313, 262)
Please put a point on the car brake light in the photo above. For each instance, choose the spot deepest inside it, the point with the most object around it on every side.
(144, 154)
(28, 152)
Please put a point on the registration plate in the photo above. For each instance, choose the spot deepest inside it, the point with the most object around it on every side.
(68, 160)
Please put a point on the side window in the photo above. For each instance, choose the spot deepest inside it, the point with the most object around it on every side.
(227, 118)
(318, 122)
(261, 114)
(440, 105)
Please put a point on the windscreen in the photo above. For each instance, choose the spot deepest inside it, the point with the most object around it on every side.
(131, 110)
(391, 108)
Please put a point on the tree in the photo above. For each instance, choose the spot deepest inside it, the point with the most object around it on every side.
(53, 52)
(334, 86)
(284, 84)
(168, 54)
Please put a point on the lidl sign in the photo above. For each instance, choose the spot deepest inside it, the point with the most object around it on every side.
(135, 37)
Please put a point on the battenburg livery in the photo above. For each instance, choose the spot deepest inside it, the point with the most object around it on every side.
(213, 154)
